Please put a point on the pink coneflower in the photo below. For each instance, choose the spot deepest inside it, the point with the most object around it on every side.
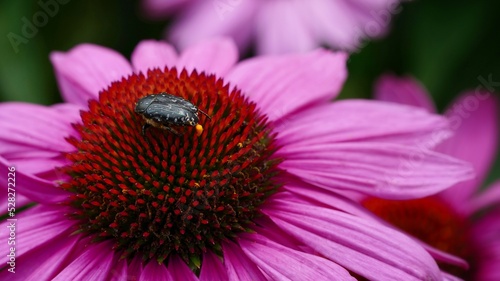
(454, 220)
(254, 197)
(277, 26)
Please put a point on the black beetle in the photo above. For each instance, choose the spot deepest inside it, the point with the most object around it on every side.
(163, 110)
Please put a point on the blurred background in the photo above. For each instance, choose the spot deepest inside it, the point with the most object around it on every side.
(445, 44)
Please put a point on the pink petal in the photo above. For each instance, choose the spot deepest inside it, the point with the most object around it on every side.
(160, 8)
(372, 17)
(488, 269)
(86, 70)
(149, 54)
(215, 56)
(333, 22)
(309, 194)
(474, 118)
(35, 127)
(486, 230)
(444, 257)
(69, 110)
(266, 227)
(362, 246)
(45, 169)
(43, 262)
(135, 268)
(94, 263)
(156, 272)
(379, 169)
(282, 29)
(403, 90)
(282, 263)
(343, 24)
(120, 269)
(21, 201)
(207, 19)
(179, 270)
(212, 268)
(281, 85)
(33, 188)
(486, 236)
(35, 227)
(449, 277)
(33, 137)
(374, 4)
(239, 266)
(362, 120)
(488, 198)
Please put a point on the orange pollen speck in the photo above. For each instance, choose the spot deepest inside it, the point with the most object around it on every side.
(199, 129)
(167, 191)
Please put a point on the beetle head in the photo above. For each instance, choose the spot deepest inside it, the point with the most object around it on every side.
(143, 104)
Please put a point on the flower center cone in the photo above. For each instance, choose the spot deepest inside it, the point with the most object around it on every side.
(160, 193)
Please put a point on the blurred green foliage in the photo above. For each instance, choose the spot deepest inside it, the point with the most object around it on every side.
(28, 75)
(445, 44)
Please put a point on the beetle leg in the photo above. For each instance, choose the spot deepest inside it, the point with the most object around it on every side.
(204, 113)
(172, 130)
(145, 127)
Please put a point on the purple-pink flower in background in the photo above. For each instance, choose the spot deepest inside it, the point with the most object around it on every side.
(276, 26)
(462, 220)
(255, 196)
